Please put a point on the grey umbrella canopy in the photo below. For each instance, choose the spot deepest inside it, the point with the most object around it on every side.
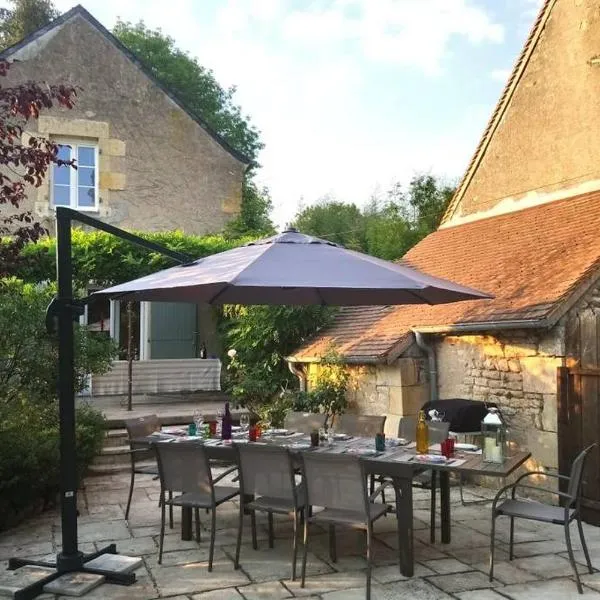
(293, 268)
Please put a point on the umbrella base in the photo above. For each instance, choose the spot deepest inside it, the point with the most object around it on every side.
(68, 564)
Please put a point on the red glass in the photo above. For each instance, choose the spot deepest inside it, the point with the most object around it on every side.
(253, 433)
(212, 428)
(448, 448)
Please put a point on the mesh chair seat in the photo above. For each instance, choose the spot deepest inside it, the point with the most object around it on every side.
(201, 500)
(349, 518)
(278, 505)
(535, 511)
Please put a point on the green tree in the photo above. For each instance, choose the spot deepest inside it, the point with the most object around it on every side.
(253, 219)
(339, 222)
(262, 336)
(195, 85)
(386, 227)
(23, 18)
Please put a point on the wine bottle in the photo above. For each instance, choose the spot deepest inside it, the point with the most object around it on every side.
(202, 350)
(422, 434)
(226, 424)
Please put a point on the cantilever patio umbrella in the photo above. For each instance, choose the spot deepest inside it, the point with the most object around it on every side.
(293, 268)
(289, 268)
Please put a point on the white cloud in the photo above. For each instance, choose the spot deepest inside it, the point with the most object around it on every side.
(500, 74)
(404, 32)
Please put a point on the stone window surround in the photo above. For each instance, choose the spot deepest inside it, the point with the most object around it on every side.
(82, 130)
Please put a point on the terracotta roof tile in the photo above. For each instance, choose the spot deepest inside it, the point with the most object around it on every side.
(531, 261)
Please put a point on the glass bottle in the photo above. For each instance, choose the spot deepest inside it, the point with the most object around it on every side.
(422, 434)
(226, 423)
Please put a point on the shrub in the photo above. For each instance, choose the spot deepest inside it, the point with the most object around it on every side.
(29, 455)
(28, 354)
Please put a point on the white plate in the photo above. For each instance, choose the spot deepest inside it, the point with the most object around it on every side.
(469, 447)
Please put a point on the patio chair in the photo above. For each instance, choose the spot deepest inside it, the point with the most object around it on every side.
(359, 425)
(268, 484)
(304, 422)
(140, 427)
(184, 468)
(337, 483)
(546, 513)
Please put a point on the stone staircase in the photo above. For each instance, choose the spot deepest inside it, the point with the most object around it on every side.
(114, 457)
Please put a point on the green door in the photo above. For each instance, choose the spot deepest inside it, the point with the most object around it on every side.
(172, 330)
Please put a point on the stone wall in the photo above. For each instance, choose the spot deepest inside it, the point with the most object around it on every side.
(158, 168)
(398, 389)
(517, 371)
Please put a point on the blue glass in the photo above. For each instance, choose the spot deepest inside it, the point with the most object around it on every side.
(86, 156)
(61, 175)
(87, 197)
(86, 176)
(61, 195)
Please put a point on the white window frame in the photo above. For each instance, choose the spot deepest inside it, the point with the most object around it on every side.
(74, 174)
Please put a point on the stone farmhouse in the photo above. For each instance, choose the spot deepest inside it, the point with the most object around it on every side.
(145, 162)
(524, 226)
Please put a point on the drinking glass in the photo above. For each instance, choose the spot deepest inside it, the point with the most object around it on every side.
(199, 420)
(245, 421)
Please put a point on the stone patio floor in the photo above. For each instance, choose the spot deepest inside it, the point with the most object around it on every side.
(442, 571)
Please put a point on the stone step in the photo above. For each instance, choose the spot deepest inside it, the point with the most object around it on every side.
(99, 470)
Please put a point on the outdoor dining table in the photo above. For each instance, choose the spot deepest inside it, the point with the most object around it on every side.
(398, 463)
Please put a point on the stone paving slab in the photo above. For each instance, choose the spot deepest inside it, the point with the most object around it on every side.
(455, 571)
(556, 589)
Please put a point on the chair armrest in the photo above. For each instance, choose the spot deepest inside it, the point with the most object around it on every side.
(541, 489)
(379, 490)
(529, 473)
(227, 472)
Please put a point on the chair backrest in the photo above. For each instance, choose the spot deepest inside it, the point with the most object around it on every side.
(303, 421)
(184, 467)
(142, 426)
(438, 430)
(575, 478)
(359, 425)
(391, 427)
(266, 471)
(335, 481)
(408, 428)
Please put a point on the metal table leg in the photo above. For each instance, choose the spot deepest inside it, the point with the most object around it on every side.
(404, 515)
(445, 505)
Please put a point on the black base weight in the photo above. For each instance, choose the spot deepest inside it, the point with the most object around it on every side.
(68, 565)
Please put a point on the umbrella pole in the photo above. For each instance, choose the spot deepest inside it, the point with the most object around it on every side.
(67, 309)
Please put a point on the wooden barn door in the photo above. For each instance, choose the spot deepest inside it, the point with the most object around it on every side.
(578, 427)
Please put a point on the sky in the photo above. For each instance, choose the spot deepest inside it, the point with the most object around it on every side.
(350, 96)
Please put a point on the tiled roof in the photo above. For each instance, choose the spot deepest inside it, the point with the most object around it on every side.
(531, 260)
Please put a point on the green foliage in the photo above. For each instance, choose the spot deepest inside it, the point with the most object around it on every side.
(28, 354)
(29, 454)
(335, 221)
(23, 18)
(262, 336)
(327, 393)
(253, 219)
(387, 227)
(106, 259)
(195, 85)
